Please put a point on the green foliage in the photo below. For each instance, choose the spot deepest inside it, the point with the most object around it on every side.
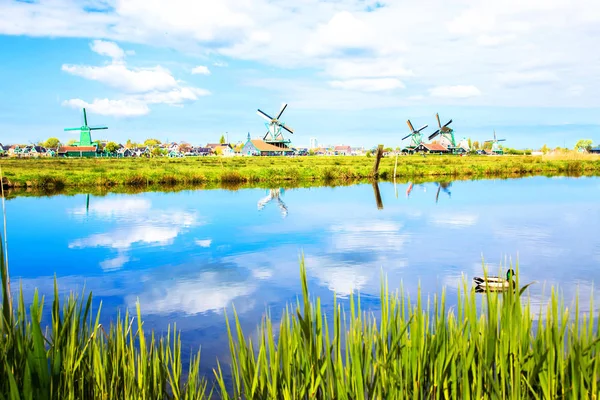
(151, 142)
(158, 152)
(545, 149)
(71, 142)
(51, 143)
(476, 145)
(499, 348)
(222, 139)
(470, 143)
(583, 144)
(112, 147)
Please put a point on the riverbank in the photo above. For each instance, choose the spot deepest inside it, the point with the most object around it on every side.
(59, 173)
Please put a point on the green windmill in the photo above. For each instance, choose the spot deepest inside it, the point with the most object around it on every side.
(85, 135)
(446, 132)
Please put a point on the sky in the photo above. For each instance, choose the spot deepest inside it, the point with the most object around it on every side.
(351, 71)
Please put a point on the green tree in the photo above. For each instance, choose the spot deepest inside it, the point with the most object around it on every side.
(218, 151)
(157, 152)
(71, 142)
(388, 149)
(583, 144)
(151, 142)
(51, 143)
(111, 147)
(545, 149)
(470, 144)
(475, 145)
(222, 140)
(487, 145)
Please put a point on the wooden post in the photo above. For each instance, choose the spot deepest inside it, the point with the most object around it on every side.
(377, 195)
(378, 156)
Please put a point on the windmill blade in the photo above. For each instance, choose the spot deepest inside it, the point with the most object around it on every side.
(487, 141)
(421, 128)
(500, 140)
(494, 134)
(84, 118)
(448, 123)
(407, 136)
(434, 134)
(438, 120)
(72, 129)
(290, 130)
(409, 126)
(437, 195)
(283, 107)
(264, 115)
(95, 128)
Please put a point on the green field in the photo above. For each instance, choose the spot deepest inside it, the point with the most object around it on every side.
(196, 171)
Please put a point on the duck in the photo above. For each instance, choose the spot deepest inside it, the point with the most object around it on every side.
(495, 283)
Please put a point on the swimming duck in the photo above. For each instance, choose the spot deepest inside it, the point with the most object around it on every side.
(495, 283)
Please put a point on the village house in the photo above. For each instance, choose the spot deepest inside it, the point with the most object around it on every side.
(257, 147)
(431, 148)
(342, 150)
(78, 151)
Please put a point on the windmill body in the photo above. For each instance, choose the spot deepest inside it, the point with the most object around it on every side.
(85, 133)
(415, 135)
(275, 129)
(496, 148)
(446, 135)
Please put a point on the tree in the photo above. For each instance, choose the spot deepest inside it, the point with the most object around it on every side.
(470, 143)
(218, 151)
(184, 147)
(583, 144)
(222, 140)
(71, 142)
(487, 145)
(475, 145)
(51, 143)
(545, 149)
(388, 149)
(157, 152)
(151, 142)
(111, 147)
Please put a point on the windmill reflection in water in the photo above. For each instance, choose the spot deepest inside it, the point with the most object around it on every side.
(274, 194)
(441, 187)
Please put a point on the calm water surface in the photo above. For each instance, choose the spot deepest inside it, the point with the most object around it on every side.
(188, 255)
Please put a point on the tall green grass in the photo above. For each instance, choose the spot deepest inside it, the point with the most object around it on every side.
(488, 346)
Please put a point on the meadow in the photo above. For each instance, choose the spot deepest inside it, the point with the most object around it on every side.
(58, 173)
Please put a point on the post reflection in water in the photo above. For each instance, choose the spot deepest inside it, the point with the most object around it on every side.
(441, 187)
(377, 195)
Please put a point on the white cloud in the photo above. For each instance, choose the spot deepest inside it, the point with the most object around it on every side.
(109, 49)
(141, 86)
(457, 91)
(458, 220)
(116, 108)
(118, 76)
(343, 31)
(220, 64)
(124, 239)
(519, 79)
(113, 264)
(201, 70)
(369, 85)
(379, 67)
(115, 207)
(203, 242)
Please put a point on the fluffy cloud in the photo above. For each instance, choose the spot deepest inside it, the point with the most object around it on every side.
(116, 108)
(141, 86)
(438, 42)
(201, 70)
(458, 91)
(108, 49)
(518, 79)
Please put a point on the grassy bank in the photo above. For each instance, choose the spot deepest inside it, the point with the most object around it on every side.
(410, 350)
(193, 171)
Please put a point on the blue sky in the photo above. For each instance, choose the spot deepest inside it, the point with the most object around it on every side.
(352, 71)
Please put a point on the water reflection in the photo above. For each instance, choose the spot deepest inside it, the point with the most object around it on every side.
(188, 255)
(274, 194)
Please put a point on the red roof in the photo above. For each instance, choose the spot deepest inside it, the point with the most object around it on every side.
(342, 148)
(434, 147)
(64, 149)
(264, 146)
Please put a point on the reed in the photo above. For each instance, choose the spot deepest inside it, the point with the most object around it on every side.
(492, 346)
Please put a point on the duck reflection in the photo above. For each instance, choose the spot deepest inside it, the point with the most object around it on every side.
(274, 194)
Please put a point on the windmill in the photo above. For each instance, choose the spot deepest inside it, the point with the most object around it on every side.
(85, 137)
(415, 135)
(274, 194)
(496, 149)
(445, 132)
(275, 128)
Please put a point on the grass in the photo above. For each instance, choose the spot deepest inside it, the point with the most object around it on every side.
(411, 349)
(58, 173)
